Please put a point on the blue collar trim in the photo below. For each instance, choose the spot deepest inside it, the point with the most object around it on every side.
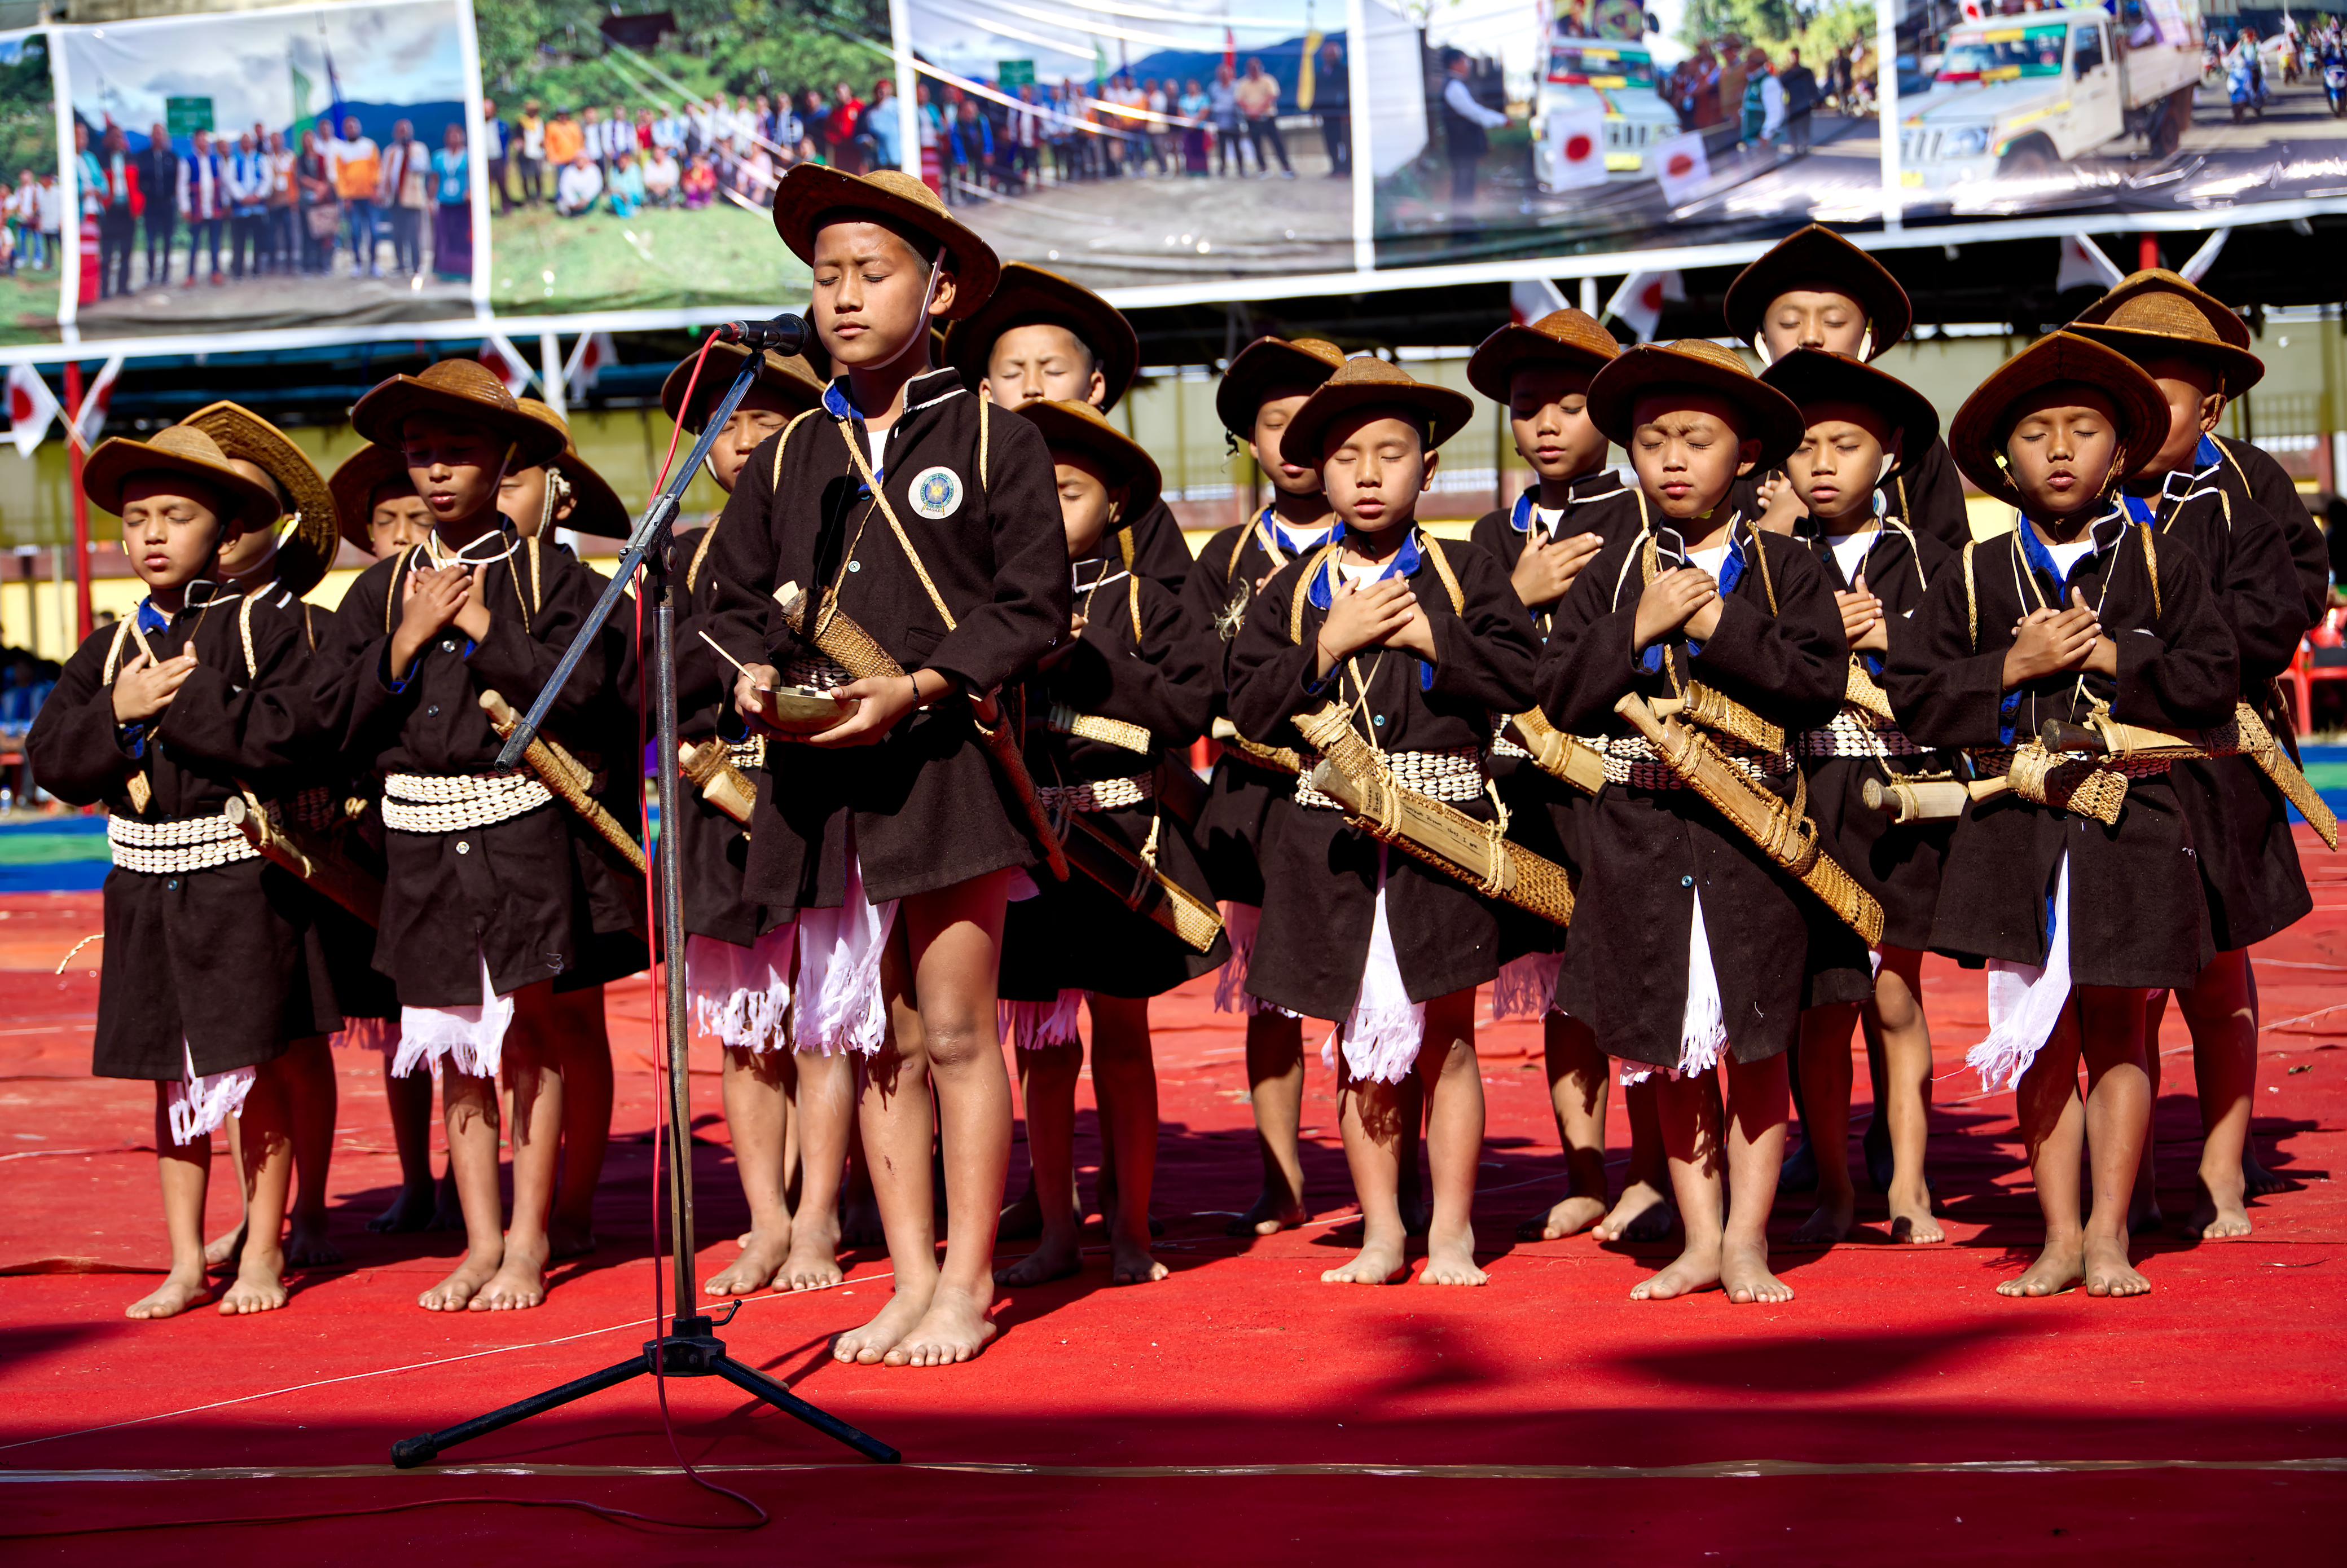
(2105, 531)
(1405, 563)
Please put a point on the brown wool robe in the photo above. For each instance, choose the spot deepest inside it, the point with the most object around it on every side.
(1899, 865)
(1320, 872)
(2240, 824)
(2250, 474)
(926, 808)
(715, 847)
(1928, 496)
(1159, 551)
(1646, 852)
(608, 743)
(226, 960)
(1542, 812)
(1076, 935)
(2136, 915)
(511, 892)
(1239, 793)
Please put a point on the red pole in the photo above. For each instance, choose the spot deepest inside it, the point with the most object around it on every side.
(80, 503)
(2147, 253)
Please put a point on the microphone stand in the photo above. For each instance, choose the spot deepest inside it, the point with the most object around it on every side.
(691, 1347)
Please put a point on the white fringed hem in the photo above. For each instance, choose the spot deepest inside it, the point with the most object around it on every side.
(2025, 1002)
(1037, 1026)
(1703, 1026)
(742, 995)
(472, 1039)
(200, 1104)
(380, 1034)
(1527, 986)
(839, 1005)
(1382, 1035)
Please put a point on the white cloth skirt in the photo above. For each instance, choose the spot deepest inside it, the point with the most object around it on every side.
(2025, 1001)
(1383, 1034)
(742, 995)
(471, 1038)
(838, 1004)
(1703, 1026)
(200, 1104)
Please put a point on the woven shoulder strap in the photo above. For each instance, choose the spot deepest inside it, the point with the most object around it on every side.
(244, 634)
(984, 404)
(2150, 565)
(1972, 599)
(536, 587)
(1442, 569)
(1238, 548)
(1133, 604)
(774, 478)
(114, 650)
(1914, 551)
(1303, 594)
(1760, 557)
(903, 539)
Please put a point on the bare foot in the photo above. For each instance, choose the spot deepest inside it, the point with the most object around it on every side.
(1130, 1263)
(1697, 1268)
(410, 1211)
(260, 1284)
(952, 1330)
(758, 1266)
(1744, 1274)
(1450, 1260)
(455, 1292)
(1275, 1210)
(518, 1284)
(1570, 1215)
(222, 1252)
(813, 1260)
(174, 1296)
(1643, 1213)
(1912, 1219)
(569, 1238)
(1377, 1263)
(307, 1247)
(2058, 1270)
(2256, 1180)
(2108, 1272)
(2223, 1210)
(1829, 1222)
(866, 1345)
(1056, 1256)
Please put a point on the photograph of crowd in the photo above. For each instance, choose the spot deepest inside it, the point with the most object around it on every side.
(32, 210)
(632, 159)
(1104, 145)
(299, 165)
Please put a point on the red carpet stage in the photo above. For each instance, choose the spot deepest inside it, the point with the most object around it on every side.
(1239, 1412)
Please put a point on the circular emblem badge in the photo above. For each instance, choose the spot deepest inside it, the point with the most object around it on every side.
(937, 493)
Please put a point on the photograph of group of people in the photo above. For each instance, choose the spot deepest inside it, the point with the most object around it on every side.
(297, 163)
(32, 207)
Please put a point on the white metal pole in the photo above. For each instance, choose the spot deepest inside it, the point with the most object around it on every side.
(1886, 107)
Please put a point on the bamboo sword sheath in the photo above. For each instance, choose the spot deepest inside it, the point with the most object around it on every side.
(570, 780)
(323, 868)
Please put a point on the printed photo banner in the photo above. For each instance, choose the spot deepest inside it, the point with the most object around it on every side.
(431, 168)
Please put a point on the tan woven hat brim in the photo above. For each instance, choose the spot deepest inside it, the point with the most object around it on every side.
(1298, 365)
(177, 449)
(1976, 435)
(354, 482)
(595, 508)
(791, 378)
(1810, 376)
(309, 548)
(1029, 294)
(463, 390)
(1365, 384)
(1700, 365)
(1561, 337)
(1078, 426)
(1815, 257)
(811, 191)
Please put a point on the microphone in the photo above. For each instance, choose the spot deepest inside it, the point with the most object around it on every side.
(785, 335)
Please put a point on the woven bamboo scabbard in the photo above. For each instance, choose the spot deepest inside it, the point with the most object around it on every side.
(1866, 696)
(567, 777)
(1476, 853)
(841, 640)
(1062, 720)
(1558, 754)
(1141, 886)
(2263, 746)
(1781, 829)
(326, 869)
(2245, 734)
(709, 767)
(1278, 759)
(1723, 715)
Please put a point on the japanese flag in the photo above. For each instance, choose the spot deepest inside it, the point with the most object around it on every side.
(500, 355)
(91, 418)
(588, 358)
(1576, 146)
(31, 406)
(1529, 299)
(2083, 266)
(1680, 166)
(1638, 302)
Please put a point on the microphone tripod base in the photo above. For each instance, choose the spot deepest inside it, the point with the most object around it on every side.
(690, 1349)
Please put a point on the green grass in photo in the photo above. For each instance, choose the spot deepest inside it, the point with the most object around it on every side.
(657, 258)
(28, 306)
